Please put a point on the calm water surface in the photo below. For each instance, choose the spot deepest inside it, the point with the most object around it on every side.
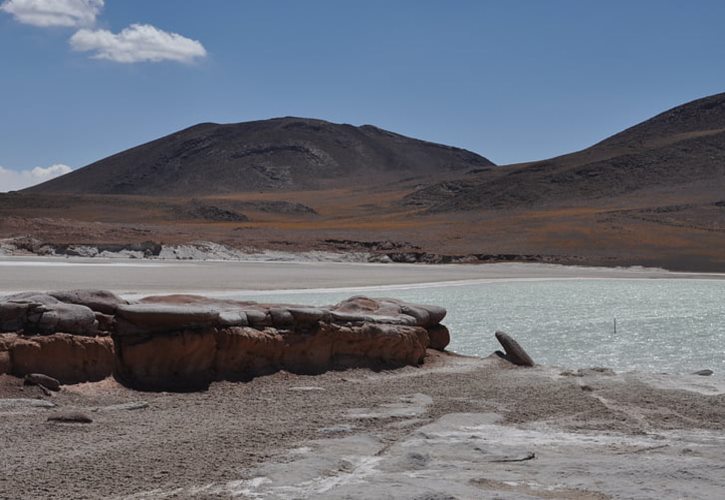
(663, 325)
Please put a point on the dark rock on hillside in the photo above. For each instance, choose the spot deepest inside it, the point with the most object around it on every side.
(282, 153)
(209, 213)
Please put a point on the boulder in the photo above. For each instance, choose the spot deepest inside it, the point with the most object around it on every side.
(101, 301)
(514, 352)
(387, 310)
(42, 380)
(61, 317)
(149, 318)
(40, 313)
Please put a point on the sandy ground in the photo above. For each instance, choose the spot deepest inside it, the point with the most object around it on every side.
(130, 276)
(456, 428)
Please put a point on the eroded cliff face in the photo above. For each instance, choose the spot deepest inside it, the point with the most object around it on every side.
(184, 342)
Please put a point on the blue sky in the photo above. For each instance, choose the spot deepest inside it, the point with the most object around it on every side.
(511, 80)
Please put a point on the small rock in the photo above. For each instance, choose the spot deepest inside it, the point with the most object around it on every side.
(514, 352)
(703, 373)
(42, 380)
(71, 418)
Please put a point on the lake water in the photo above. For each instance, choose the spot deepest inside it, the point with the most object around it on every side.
(662, 325)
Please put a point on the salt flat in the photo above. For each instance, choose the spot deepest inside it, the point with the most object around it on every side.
(131, 275)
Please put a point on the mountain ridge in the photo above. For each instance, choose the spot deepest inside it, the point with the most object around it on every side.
(286, 153)
(679, 147)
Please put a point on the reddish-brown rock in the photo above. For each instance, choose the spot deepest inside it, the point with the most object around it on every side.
(181, 360)
(68, 358)
(191, 359)
(184, 342)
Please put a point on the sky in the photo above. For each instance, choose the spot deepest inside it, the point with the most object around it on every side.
(512, 80)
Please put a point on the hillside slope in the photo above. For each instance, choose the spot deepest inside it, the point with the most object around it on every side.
(681, 151)
(270, 155)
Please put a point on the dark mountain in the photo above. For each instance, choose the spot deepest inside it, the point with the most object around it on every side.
(681, 151)
(277, 154)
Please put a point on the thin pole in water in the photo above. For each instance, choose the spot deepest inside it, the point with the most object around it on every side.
(615, 325)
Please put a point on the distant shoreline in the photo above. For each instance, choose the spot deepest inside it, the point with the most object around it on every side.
(143, 276)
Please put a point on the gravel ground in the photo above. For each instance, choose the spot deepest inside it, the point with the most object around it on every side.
(291, 436)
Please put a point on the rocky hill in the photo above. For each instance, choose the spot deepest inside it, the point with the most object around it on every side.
(269, 155)
(681, 150)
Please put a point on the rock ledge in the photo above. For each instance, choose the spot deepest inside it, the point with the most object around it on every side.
(184, 342)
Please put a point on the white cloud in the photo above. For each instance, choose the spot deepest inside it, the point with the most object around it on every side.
(138, 43)
(12, 180)
(68, 13)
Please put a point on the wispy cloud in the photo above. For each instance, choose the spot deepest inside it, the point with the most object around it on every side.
(44, 13)
(138, 43)
(12, 180)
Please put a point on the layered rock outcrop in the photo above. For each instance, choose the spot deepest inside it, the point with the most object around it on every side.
(65, 335)
(184, 342)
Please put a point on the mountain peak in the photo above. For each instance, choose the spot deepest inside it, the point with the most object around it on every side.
(286, 153)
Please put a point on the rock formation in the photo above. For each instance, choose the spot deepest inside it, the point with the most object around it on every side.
(184, 342)
(513, 351)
